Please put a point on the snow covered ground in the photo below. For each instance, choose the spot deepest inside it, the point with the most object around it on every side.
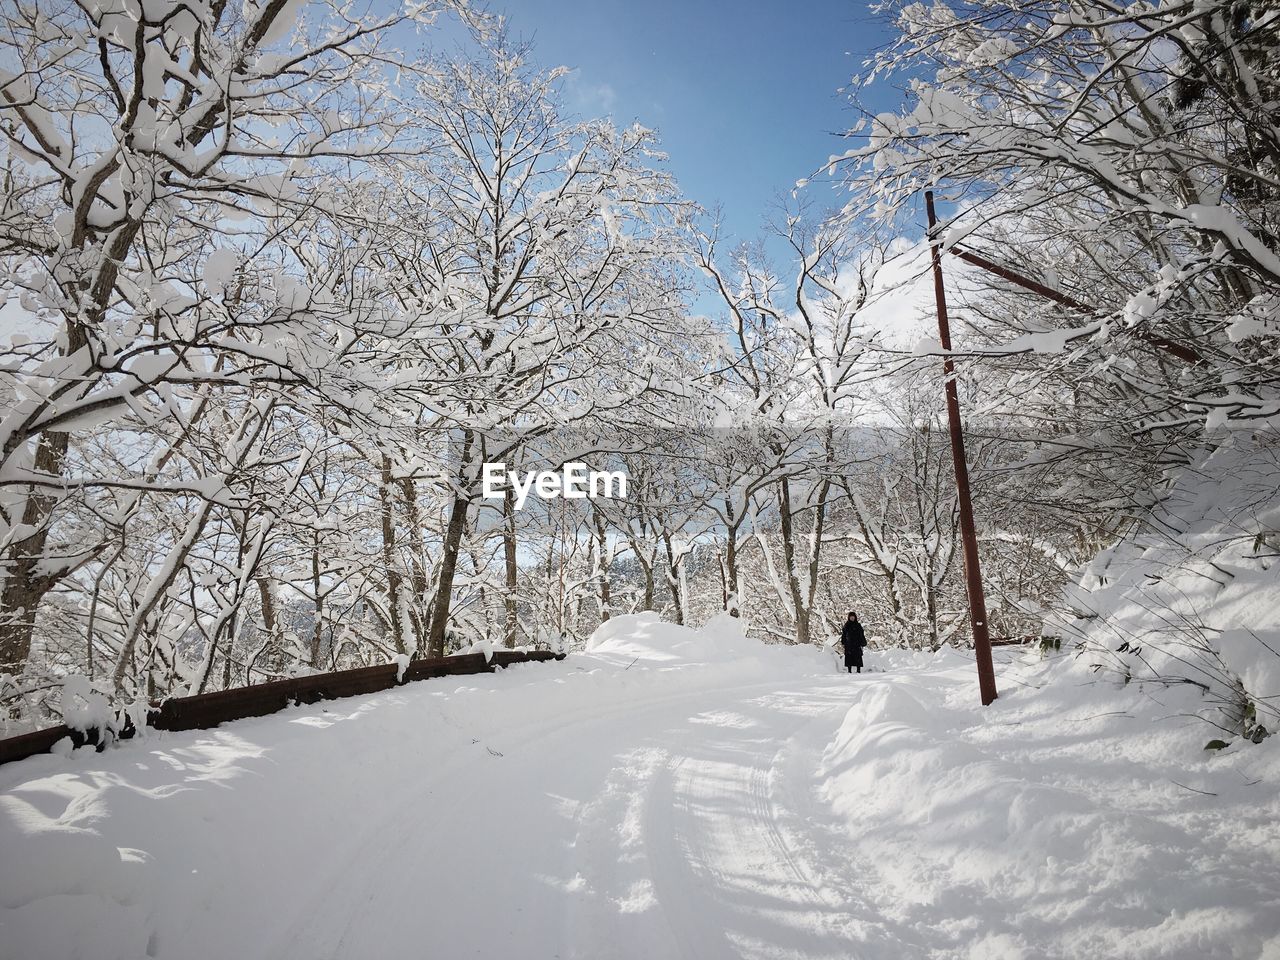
(1194, 592)
(668, 793)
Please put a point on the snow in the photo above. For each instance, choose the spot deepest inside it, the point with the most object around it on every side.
(220, 267)
(83, 706)
(484, 645)
(648, 637)
(401, 660)
(672, 792)
(1063, 823)
(1194, 595)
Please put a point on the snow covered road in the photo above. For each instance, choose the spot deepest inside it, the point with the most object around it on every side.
(650, 830)
(578, 825)
(638, 801)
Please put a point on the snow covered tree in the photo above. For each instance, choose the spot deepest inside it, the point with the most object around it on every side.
(1129, 156)
(539, 252)
(791, 379)
(160, 168)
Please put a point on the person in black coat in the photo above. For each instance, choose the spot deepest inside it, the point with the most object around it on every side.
(853, 639)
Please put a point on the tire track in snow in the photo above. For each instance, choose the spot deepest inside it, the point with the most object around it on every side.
(404, 862)
(700, 863)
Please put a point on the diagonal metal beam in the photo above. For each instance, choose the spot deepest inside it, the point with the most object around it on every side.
(1185, 354)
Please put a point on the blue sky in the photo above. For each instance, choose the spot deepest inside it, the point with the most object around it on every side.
(743, 94)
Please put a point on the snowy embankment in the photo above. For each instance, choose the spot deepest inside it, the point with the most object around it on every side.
(1074, 818)
(667, 793)
(1192, 596)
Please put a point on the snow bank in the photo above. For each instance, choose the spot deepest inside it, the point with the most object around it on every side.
(648, 637)
(1070, 819)
(1193, 596)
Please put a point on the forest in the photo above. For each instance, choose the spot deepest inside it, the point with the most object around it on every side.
(277, 284)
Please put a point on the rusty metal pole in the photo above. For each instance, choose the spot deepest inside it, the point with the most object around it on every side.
(1168, 346)
(968, 531)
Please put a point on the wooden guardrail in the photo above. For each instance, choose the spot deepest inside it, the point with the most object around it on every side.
(210, 709)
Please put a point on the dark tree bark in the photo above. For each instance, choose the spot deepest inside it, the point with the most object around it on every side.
(509, 557)
(440, 607)
(385, 490)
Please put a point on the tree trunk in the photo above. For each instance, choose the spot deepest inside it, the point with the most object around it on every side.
(394, 605)
(602, 569)
(511, 570)
(815, 548)
(931, 606)
(789, 559)
(418, 564)
(270, 624)
(444, 584)
(24, 588)
(316, 585)
(733, 595)
(673, 576)
(449, 554)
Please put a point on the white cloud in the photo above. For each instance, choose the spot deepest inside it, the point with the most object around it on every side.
(590, 98)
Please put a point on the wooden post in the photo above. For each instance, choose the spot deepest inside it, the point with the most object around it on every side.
(968, 530)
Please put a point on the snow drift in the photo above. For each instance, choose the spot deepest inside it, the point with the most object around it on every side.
(1073, 818)
(1193, 595)
(647, 636)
